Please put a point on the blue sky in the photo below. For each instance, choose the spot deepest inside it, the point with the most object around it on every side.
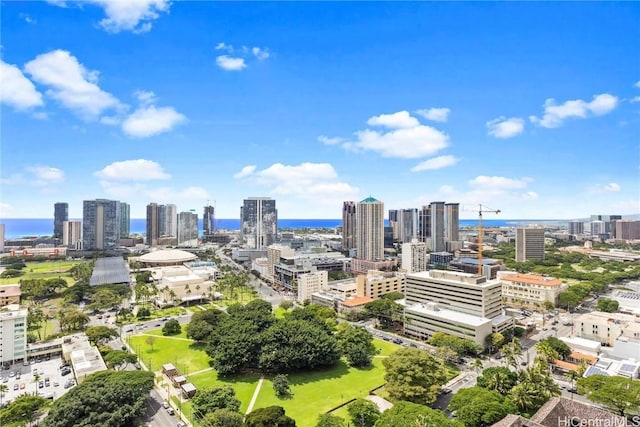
(532, 108)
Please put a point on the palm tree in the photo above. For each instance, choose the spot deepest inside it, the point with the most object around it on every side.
(524, 395)
(512, 353)
(187, 291)
(198, 290)
(498, 381)
(546, 352)
(477, 365)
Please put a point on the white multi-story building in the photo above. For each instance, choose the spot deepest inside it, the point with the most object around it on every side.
(274, 253)
(309, 283)
(415, 256)
(529, 289)
(72, 234)
(529, 244)
(462, 292)
(370, 229)
(13, 333)
(606, 328)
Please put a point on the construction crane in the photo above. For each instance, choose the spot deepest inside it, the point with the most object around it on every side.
(481, 210)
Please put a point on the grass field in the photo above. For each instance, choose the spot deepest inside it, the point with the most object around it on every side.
(44, 270)
(185, 354)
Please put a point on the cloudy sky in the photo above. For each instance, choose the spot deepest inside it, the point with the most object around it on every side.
(531, 108)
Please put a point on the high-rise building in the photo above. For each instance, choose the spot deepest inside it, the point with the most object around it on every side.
(1, 238)
(60, 215)
(13, 333)
(259, 222)
(424, 224)
(161, 222)
(627, 229)
(208, 221)
(407, 225)
(451, 222)
(608, 222)
(125, 220)
(437, 226)
(188, 229)
(393, 222)
(529, 244)
(597, 228)
(576, 227)
(100, 224)
(370, 229)
(415, 256)
(153, 225)
(348, 225)
(72, 234)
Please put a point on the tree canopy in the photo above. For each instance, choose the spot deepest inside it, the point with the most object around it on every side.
(356, 344)
(619, 394)
(363, 412)
(172, 327)
(22, 410)
(210, 400)
(412, 414)
(100, 334)
(498, 378)
(103, 399)
(413, 375)
(271, 416)
(477, 406)
(608, 305)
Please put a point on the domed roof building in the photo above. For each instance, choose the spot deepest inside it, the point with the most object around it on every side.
(165, 257)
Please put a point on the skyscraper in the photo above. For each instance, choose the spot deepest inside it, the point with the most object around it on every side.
(60, 215)
(437, 226)
(370, 229)
(208, 224)
(407, 225)
(348, 225)
(451, 222)
(153, 224)
(100, 224)
(608, 223)
(529, 244)
(576, 227)
(125, 220)
(259, 222)
(424, 224)
(161, 222)
(188, 229)
(72, 234)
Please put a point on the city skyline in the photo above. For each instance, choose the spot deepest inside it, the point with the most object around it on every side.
(493, 103)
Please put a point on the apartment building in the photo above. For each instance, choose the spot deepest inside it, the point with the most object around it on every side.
(530, 289)
(310, 283)
(9, 294)
(274, 253)
(415, 256)
(529, 244)
(378, 283)
(13, 333)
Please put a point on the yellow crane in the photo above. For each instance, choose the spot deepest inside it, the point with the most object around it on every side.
(481, 210)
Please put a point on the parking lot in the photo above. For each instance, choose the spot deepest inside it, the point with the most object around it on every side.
(44, 378)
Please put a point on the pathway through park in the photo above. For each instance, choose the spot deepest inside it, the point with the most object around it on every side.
(255, 395)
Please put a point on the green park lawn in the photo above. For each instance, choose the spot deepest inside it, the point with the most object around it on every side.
(44, 270)
(186, 355)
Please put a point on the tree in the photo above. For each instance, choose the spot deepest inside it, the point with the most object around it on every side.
(199, 330)
(413, 375)
(619, 394)
(151, 340)
(414, 415)
(512, 352)
(477, 406)
(495, 340)
(211, 399)
(172, 327)
(222, 418)
(477, 364)
(546, 351)
(499, 379)
(608, 305)
(356, 344)
(384, 309)
(286, 304)
(363, 412)
(100, 334)
(330, 420)
(117, 359)
(105, 298)
(103, 399)
(535, 387)
(271, 416)
(143, 313)
(559, 346)
(73, 320)
(22, 410)
(281, 385)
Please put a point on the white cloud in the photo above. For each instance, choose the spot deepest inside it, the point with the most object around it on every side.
(499, 182)
(330, 141)
(71, 83)
(230, 63)
(225, 47)
(246, 171)
(637, 84)
(316, 183)
(635, 99)
(554, 115)
(133, 170)
(611, 187)
(505, 128)
(260, 53)
(145, 97)
(401, 119)
(435, 114)
(408, 138)
(28, 19)
(17, 90)
(131, 15)
(150, 120)
(38, 176)
(435, 163)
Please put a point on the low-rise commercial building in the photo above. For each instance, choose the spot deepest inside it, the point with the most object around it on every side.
(378, 283)
(606, 328)
(84, 358)
(530, 289)
(309, 283)
(9, 294)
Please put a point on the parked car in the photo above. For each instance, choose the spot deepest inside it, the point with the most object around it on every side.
(170, 411)
(165, 405)
(16, 386)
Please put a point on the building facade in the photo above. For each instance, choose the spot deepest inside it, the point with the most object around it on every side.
(348, 225)
(208, 221)
(530, 290)
(274, 253)
(437, 227)
(309, 283)
(161, 223)
(125, 220)
(13, 334)
(72, 234)
(407, 225)
(60, 215)
(258, 222)
(529, 244)
(627, 230)
(608, 223)
(188, 229)
(100, 224)
(370, 230)
(575, 228)
(424, 225)
(451, 222)
(377, 283)
(415, 256)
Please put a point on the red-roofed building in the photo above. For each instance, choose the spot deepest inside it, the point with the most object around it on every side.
(353, 305)
(529, 289)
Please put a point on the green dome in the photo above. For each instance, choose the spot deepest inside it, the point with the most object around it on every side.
(370, 200)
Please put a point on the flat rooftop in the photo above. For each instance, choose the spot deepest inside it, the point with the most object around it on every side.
(450, 315)
(110, 270)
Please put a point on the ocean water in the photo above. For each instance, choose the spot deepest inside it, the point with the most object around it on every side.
(23, 227)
